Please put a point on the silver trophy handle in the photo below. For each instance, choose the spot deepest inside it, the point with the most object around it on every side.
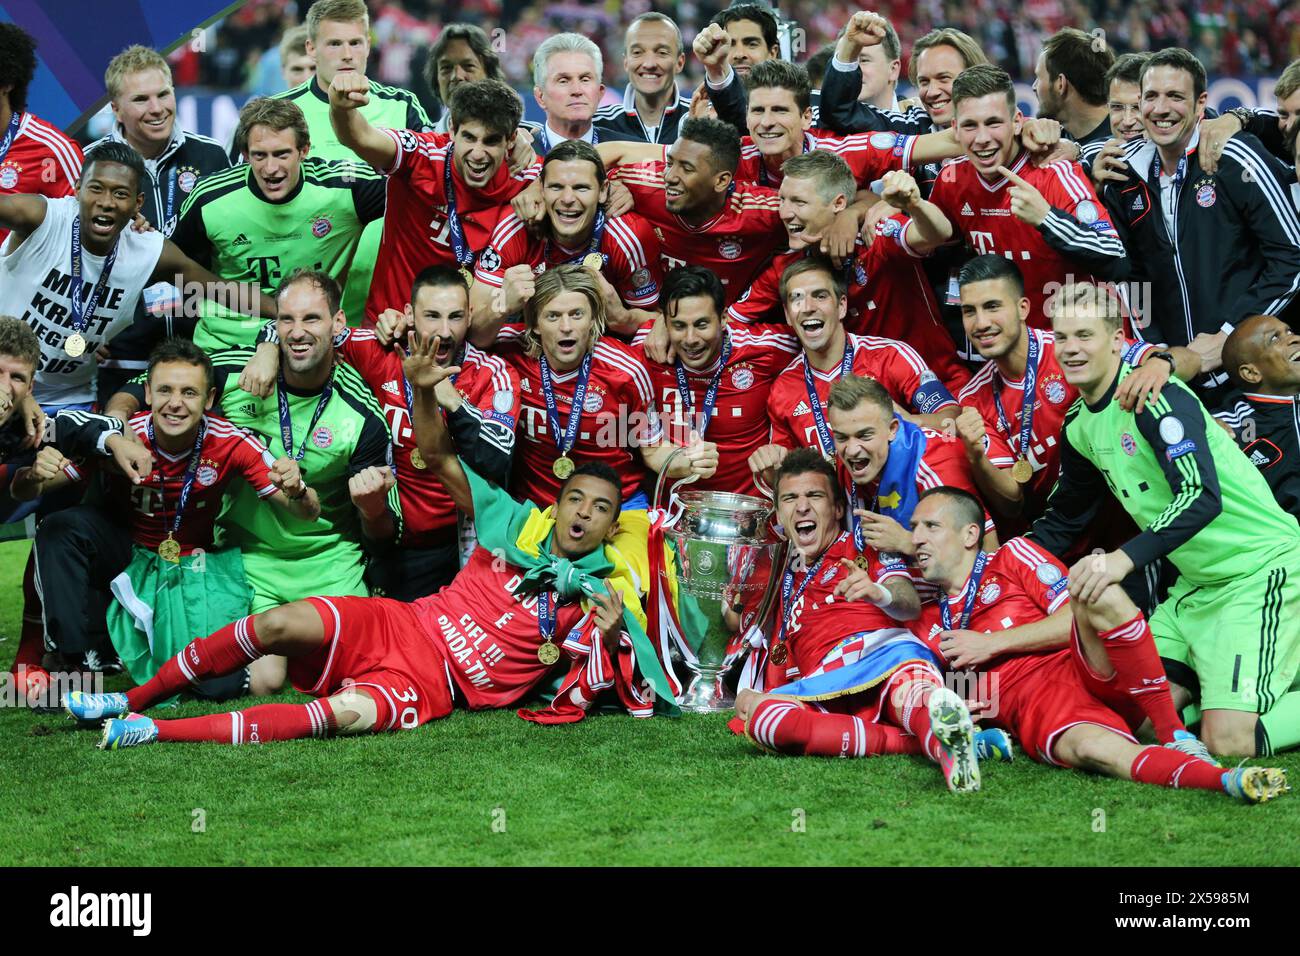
(663, 476)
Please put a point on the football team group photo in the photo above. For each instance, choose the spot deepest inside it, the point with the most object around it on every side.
(541, 425)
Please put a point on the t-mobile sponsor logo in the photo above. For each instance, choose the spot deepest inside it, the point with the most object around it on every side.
(77, 909)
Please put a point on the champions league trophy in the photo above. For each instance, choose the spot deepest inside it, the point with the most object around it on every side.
(726, 568)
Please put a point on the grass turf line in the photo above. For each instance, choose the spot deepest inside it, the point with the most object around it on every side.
(610, 790)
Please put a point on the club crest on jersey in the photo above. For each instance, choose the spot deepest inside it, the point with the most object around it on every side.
(321, 226)
(206, 473)
(1048, 573)
(992, 591)
(1055, 391)
(187, 177)
(729, 248)
(539, 268)
(829, 573)
(882, 140)
(1205, 195)
(322, 437)
(593, 403)
(1128, 444)
(742, 378)
(889, 228)
(9, 174)
(490, 260)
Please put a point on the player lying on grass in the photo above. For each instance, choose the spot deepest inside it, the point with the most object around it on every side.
(534, 592)
(864, 684)
(1077, 706)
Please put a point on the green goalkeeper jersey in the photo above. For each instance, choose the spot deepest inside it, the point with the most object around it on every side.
(229, 226)
(390, 107)
(1198, 500)
(349, 436)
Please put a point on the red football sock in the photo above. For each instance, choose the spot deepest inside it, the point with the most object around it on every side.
(256, 725)
(1139, 673)
(31, 639)
(223, 652)
(788, 728)
(913, 714)
(1169, 768)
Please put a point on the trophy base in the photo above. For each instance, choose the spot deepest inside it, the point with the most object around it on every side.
(707, 694)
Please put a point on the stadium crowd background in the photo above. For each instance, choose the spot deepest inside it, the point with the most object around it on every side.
(240, 57)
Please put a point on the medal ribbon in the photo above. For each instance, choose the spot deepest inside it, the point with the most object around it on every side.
(823, 430)
(546, 616)
(1029, 393)
(575, 410)
(286, 421)
(187, 484)
(171, 199)
(972, 589)
(710, 396)
(10, 134)
(787, 585)
(84, 312)
(459, 247)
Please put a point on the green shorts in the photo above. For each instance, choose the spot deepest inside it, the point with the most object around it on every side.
(1240, 640)
(278, 580)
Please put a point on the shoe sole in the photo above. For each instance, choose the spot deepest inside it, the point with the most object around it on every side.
(954, 729)
(1262, 784)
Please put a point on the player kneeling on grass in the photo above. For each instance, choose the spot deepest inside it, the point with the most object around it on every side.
(534, 592)
(1076, 706)
(150, 536)
(866, 685)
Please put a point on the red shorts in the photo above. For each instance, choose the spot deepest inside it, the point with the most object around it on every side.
(1039, 705)
(381, 646)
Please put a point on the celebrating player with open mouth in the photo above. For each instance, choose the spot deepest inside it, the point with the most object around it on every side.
(534, 592)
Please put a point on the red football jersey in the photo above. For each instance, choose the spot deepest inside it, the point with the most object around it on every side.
(894, 365)
(869, 155)
(490, 634)
(889, 296)
(1021, 584)
(416, 232)
(228, 452)
(41, 161)
(618, 414)
(980, 212)
(817, 620)
(484, 381)
(629, 246)
(739, 426)
(736, 243)
(1053, 397)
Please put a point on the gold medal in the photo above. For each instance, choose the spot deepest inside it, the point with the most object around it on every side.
(170, 550)
(1022, 471)
(593, 261)
(863, 562)
(780, 654)
(548, 653)
(75, 345)
(563, 467)
(467, 276)
(417, 460)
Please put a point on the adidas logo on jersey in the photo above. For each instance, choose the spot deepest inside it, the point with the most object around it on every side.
(1138, 204)
(248, 408)
(802, 409)
(966, 209)
(241, 240)
(526, 386)
(1258, 458)
(391, 386)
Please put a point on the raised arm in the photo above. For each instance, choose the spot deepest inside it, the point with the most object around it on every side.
(348, 93)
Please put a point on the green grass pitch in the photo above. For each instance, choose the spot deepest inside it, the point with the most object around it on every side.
(493, 789)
